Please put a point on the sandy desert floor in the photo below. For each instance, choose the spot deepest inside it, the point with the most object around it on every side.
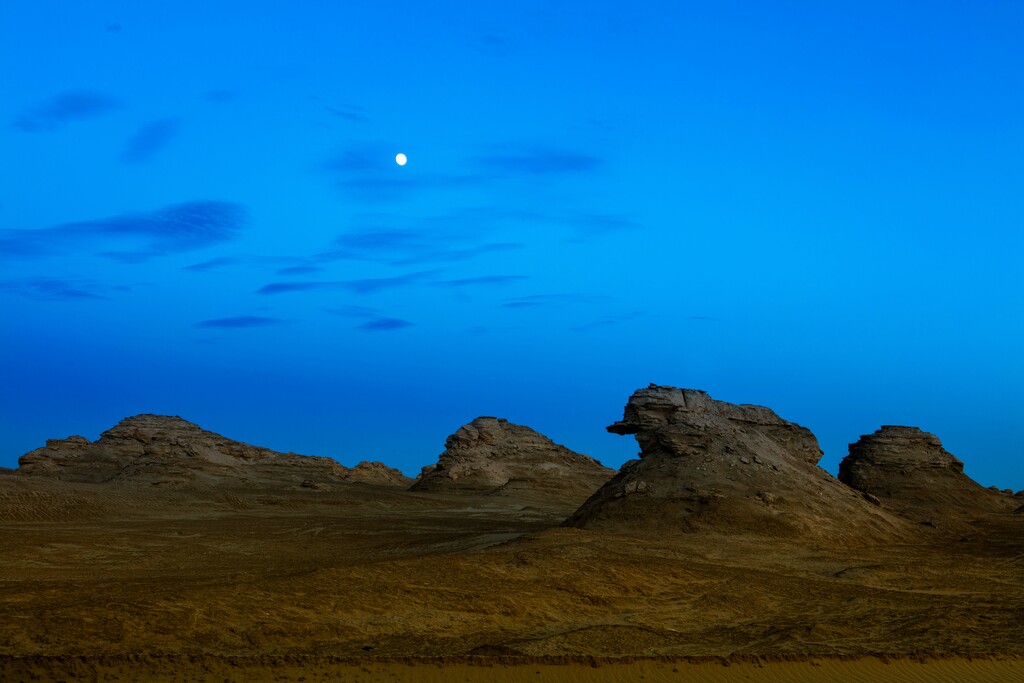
(374, 584)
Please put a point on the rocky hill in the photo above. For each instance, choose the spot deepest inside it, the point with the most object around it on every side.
(740, 469)
(168, 451)
(492, 455)
(910, 472)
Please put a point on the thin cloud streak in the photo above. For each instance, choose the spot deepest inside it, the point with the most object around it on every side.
(489, 280)
(53, 289)
(176, 228)
(539, 162)
(212, 264)
(384, 325)
(67, 107)
(408, 247)
(239, 322)
(355, 312)
(149, 140)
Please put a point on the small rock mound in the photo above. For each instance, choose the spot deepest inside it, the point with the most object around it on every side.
(378, 474)
(738, 469)
(911, 473)
(492, 455)
(169, 451)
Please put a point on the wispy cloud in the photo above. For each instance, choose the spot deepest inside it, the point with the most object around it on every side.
(299, 270)
(53, 289)
(371, 285)
(488, 280)
(494, 41)
(355, 311)
(150, 139)
(240, 322)
(384, 325)
(606, 321)
(545, 300)
(377, 284)
(539, 161)
(76, 105)
(369, 173)
(409, 247)
(212, 264)
(136, 236)
(289, 287)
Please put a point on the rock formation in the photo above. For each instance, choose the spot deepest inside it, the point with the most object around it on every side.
(492, 455)
(739, 469)
(169, 451)
(377, 473)
(910, 472)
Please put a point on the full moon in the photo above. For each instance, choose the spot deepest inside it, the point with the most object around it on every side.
(400, 159)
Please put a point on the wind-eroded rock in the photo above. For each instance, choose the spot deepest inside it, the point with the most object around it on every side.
(169, 451)
(492, 455)
(707, 464)
(910, 472)
(378, 473)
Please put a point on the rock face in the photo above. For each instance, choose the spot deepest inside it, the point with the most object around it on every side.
(910, 472)
(711, 465)
(492, 455)
(169, 451)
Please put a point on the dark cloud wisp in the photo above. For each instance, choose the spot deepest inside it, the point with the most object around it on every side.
(212, 264)
(384, 325)
(65, 108)
(150, 139)
(136, 236)
(53, 289)
(538, 162)
(239, 322)
(408, 247)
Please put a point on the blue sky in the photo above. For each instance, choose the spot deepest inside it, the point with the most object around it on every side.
(811, 206)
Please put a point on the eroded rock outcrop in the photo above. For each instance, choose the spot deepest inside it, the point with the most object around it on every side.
(711, 465)
(169, 451)
(492, 455)
(377, 473)
(910, 472)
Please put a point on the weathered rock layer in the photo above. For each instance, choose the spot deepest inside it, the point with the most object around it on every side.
(707, 464)
(492, 455)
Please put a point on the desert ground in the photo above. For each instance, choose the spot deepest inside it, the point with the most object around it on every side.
(166, 552)
(367, 580)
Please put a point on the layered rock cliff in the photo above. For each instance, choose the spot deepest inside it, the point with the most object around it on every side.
(492, 455)
(711, 465)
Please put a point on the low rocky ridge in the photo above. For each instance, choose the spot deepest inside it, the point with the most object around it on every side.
(740, 469)
(492, 455)
(910, 472)
(169, 451)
